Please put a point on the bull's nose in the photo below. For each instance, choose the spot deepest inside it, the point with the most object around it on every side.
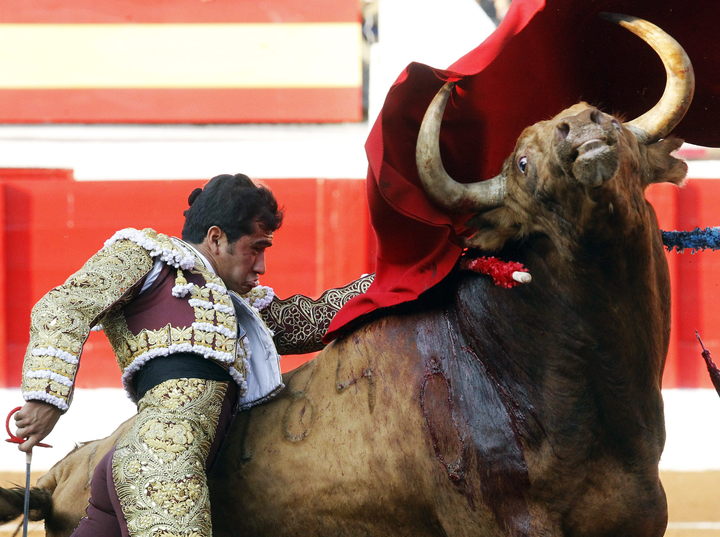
(562, 130)
(589, 115)
(579, 121)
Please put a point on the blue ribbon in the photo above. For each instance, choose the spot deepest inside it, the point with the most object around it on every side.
(697, 239)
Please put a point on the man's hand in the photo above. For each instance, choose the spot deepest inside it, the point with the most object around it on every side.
(34, 422)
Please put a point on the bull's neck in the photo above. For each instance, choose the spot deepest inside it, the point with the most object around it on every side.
(585, 341)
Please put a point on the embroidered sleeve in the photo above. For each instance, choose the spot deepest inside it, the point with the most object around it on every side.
(299, 323)
(62, 319)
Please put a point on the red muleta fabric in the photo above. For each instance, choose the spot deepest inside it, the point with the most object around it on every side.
(544, 57)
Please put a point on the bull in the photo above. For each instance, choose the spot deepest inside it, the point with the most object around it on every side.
(476, 410)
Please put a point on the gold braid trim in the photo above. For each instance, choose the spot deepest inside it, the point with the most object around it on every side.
(60, 322)
(159, 465)
(299, 323)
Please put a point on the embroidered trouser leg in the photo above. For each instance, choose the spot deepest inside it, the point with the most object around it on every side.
(158, 467)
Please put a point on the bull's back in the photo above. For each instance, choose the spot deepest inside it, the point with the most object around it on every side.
(344, 450)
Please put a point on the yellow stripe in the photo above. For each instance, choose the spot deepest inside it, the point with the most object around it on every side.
(64, 56)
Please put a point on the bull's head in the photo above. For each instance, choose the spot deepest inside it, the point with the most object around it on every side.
(574, 162)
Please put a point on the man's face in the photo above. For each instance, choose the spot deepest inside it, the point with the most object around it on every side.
(240, 264)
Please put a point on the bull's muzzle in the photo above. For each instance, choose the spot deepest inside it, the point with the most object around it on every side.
(586, 146)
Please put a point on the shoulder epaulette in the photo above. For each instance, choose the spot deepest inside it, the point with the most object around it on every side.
(157, 244)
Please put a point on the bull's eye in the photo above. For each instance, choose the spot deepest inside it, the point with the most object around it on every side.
(522, 164)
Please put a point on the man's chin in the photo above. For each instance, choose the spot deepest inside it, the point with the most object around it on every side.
(247, 287)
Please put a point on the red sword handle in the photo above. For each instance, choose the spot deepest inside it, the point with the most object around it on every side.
(13, 437)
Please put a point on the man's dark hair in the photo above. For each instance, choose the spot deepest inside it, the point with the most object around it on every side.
(233, 203)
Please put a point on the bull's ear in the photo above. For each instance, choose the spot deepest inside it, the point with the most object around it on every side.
(663, 167)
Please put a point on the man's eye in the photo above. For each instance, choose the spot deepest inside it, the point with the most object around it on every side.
(522, 164)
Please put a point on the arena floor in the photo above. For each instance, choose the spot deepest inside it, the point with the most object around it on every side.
(693, 498)
(694, 503)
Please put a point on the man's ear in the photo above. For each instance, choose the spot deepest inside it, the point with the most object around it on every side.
(214, 237)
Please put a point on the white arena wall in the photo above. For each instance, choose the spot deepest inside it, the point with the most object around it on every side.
(693, 437)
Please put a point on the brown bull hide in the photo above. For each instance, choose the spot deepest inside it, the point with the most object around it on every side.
(479, 410)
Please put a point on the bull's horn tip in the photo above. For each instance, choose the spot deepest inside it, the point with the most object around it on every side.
(522, 277)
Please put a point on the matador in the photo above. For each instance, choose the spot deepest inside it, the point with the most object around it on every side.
(196, 338)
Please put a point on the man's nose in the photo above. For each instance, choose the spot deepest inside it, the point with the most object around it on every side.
(259, 266)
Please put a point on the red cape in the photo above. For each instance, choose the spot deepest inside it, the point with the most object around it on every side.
(544, 57)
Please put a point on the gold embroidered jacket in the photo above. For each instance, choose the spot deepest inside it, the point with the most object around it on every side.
(111, 279)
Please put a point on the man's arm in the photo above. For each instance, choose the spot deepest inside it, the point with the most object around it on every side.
(61, 322)
(299, 322)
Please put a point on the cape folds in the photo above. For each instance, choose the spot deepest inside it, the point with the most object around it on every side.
(545, 56)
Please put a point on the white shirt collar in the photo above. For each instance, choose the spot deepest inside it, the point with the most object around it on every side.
(204, 259)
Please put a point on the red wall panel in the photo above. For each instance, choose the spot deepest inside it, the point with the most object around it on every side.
(51, 224)
(220, 106)
(695, 279)
(137, 11)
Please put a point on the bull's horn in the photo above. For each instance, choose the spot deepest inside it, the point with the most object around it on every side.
(438, 184)
(660, 120)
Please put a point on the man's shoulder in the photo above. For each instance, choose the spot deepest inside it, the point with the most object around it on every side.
(157, 246)
(146, 238)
